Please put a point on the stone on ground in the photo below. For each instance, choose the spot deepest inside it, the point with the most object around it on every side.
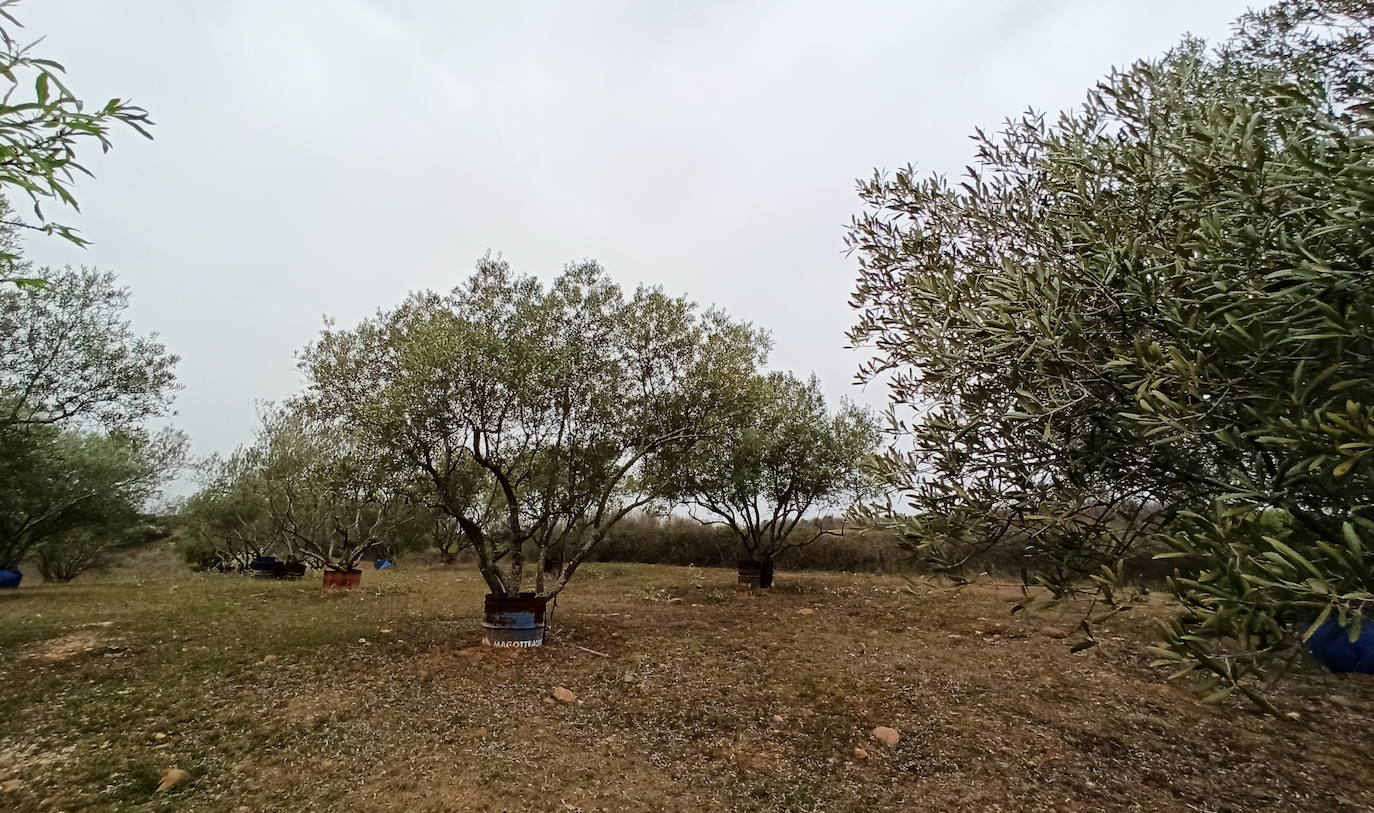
(887, 736)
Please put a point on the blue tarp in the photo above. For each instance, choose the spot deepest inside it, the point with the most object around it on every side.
(1332, 647)
(9, 579)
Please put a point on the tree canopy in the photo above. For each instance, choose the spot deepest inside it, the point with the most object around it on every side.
(69, 354)
(533, 410)
(56, 484)
(327, 502)
(782, 457)
(77, 386)
(1150, 318)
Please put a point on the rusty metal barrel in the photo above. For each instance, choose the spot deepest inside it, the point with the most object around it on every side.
(513, 621)
(756, 572)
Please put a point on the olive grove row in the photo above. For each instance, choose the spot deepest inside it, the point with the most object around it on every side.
(1144, 328)
(523, 421)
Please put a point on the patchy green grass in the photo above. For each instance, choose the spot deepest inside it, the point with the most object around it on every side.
(691, 695)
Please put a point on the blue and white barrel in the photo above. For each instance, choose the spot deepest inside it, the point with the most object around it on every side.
(513, 621)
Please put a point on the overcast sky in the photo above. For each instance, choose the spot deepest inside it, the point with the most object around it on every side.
(324, 158)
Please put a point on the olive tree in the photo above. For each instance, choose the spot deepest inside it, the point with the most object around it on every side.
(1149, 321)
(76, 385)
(533, 410)
(93, 547)
(69, 486)
(68, 353)
(783, 456)
(326, 503)
(225, 523)
(446, 536)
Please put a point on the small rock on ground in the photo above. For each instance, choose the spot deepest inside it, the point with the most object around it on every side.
(805, 611)
(562, 695)
(1053, 632)
(887, 736)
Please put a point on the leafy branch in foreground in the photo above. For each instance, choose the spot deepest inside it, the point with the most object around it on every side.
(42, 126)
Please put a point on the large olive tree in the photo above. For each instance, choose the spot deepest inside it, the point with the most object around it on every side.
(1150, 320)
(783, 457)
(532, 410)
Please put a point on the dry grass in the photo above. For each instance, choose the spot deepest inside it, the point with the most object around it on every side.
(276, 697)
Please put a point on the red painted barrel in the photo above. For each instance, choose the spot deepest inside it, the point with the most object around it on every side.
(342, 579)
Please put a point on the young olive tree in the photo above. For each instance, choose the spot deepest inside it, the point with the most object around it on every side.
(93, 547)
(533, 410)
(326, 502)
(782, 457)
(1150, 319)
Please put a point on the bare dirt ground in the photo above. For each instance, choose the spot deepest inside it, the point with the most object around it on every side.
(690, 695)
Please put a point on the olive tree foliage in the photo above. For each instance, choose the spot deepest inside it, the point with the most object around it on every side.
(327, 503)
(43, 124)
(532, 411)
(225, 523)
(303, 491)
(76, 386)
(67, 487)
(68, 353)
(1150, 321)
(783, 456)
(94, 547)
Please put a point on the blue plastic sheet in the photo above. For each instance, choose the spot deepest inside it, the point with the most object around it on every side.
(1332, 647)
